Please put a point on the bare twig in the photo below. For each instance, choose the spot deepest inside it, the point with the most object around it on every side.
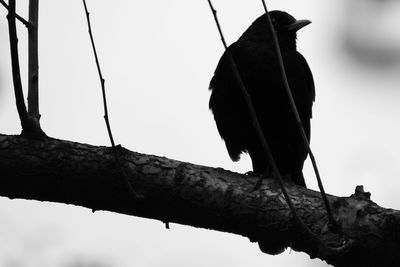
(103, 90)
(21, 19)
(260, 133)
(30, 125)
(298, 120)
(33, 62)
(19, 94)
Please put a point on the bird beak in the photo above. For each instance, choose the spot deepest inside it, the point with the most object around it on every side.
(297, 25)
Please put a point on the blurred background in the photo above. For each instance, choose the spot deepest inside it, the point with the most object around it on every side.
(157, 58)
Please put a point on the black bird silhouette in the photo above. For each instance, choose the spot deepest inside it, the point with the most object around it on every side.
(256, 60)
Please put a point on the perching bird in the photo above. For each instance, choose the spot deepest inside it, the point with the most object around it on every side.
(257, 63)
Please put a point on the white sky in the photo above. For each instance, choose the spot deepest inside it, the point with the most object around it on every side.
(157, 58)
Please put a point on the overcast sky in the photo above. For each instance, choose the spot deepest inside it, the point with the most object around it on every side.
(157, 58)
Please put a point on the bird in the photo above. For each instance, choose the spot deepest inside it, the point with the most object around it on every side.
(256, 61)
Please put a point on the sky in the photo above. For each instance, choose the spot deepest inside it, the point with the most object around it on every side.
(157, 58)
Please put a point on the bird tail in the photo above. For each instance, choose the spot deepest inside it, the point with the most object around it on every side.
(234, 152)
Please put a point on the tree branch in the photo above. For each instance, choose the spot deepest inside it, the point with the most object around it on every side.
(128, 186)
(30, 125)
(16, 73)
(33, 63)
(21, 19)
(211, 198)
(102, 81)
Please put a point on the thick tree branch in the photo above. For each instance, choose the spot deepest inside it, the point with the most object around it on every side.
(211, 198)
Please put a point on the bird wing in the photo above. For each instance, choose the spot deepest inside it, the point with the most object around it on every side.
(301, 82)
(302, 86)
(259, 71)
(227, 103)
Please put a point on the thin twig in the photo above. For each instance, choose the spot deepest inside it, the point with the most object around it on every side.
(30, 126)
(21, 19)
(103, 90)
(298, 120)
(33, 62)
(19, 94)
(259, 131)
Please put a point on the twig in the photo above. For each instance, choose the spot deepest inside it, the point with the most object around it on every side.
(21, 19)
(30, 125)
(19, 94)
(103, 90)
(33, 62)
(260, 133)
(298, 120)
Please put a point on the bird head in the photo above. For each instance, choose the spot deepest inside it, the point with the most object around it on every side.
(285, 27)
(284, 22)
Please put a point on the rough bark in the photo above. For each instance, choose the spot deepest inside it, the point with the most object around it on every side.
(211, 198)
